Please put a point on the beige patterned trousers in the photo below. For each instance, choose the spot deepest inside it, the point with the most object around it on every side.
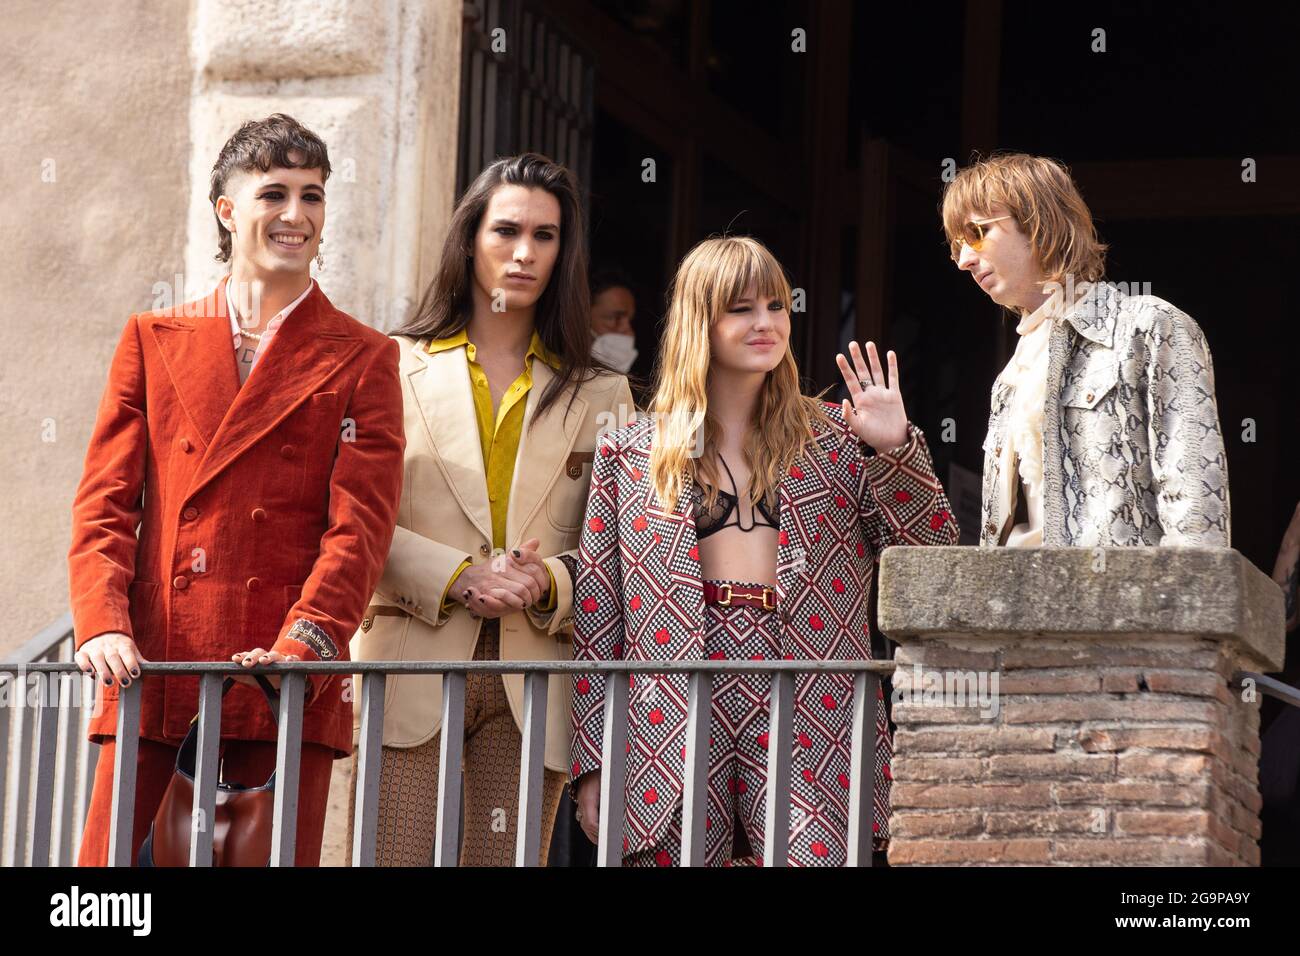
(408, 783)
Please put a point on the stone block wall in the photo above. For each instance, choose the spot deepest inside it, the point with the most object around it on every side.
(379, 81)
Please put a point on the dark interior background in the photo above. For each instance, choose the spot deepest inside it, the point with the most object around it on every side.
(833, 157)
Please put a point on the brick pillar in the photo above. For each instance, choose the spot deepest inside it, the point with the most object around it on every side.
(1108, 730)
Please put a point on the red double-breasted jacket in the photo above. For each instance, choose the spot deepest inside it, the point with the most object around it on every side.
(264, 512)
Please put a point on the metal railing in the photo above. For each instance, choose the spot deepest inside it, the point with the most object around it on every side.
(1269, 687)
(54, 821)
(47, 765)
(57, 744)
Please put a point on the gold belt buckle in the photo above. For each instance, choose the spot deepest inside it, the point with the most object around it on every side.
(766, 593)
(724, 601)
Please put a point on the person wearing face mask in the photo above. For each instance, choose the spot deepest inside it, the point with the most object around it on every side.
(741, 519)
(503, 408)
(613, 309)
(1103, 427)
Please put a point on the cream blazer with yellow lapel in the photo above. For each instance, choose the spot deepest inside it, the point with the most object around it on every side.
(445, 518)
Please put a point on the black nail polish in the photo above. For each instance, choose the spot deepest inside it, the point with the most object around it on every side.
(135, 672)
(126, 682)
(108, 680)
(516, 552)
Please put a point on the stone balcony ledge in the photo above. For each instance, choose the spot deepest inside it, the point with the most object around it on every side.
(1081, 593)
(1073, 706)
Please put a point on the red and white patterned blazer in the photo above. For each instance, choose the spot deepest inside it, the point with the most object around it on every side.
(639, 596)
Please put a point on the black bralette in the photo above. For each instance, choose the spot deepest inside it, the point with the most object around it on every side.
(709, 520)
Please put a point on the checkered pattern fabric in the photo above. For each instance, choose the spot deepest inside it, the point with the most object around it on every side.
(739, 739)
(639, 596)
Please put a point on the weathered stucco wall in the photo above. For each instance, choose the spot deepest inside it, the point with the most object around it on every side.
(114, 114)
(94, 143)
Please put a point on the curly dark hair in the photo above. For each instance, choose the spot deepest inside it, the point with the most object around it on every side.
(263, 144)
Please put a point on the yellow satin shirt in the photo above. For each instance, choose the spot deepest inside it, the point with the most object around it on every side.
(499, 436)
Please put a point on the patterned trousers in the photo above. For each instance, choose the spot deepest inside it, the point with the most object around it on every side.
(738, 741)
(408, 782)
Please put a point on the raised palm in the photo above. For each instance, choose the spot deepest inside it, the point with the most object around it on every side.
(874, 409)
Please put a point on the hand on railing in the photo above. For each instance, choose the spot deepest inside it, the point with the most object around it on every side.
(589, 805)
(258, 657)
(111, 656)
(504, 584)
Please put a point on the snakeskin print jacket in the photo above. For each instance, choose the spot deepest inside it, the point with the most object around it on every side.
(1132, 449)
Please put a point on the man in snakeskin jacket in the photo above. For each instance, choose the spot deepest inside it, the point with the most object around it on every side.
(1103, 428)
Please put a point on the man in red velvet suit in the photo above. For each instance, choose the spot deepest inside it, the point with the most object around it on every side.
(255, 439)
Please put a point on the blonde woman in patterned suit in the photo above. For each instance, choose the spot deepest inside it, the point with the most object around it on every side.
(757, 542)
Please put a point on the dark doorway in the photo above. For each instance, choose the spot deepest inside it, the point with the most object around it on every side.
(834, 153)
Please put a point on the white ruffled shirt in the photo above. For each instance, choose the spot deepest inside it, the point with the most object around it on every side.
(1022, 450)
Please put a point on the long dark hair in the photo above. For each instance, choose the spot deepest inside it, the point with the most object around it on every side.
(562, 316)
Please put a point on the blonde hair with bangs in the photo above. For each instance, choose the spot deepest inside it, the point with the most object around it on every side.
(1042, 197)
(712, 276)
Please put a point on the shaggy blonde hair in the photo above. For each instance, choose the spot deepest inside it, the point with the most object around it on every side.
(714, 274)
(1039, 193)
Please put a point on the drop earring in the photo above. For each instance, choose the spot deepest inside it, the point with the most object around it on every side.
(320, 256)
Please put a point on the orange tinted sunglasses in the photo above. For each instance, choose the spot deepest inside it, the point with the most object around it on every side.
(972, 235)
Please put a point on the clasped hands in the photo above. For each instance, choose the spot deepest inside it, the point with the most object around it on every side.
(509, 582)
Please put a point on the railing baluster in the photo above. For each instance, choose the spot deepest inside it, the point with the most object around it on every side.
(695, 796)
(65, 780)
(862, 770)
(25, 727)
(613, 777)
(776, 842)
(124, 767)
(447, 833)
(47, 771)
(288, 761)
(532, 756)
(203, 814)
(6, 691)
(47, 740)
(369, 759)
(87, 761)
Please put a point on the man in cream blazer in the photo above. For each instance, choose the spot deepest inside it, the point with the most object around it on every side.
(444, 519)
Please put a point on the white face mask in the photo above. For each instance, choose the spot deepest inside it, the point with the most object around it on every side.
(615, 350)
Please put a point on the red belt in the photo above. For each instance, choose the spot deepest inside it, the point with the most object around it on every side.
(729, 595)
